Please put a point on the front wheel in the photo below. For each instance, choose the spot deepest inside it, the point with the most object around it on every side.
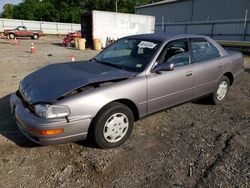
(68, 44)
(12, 36)
(35, 36)
(221, 91)
(113, 125)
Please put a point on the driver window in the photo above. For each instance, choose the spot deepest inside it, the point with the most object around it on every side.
(175, 52)
(21, 29)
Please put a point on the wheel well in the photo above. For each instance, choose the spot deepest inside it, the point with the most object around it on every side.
(230, 77)
(131, 105)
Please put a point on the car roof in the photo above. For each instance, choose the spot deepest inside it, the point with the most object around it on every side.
(164, 36)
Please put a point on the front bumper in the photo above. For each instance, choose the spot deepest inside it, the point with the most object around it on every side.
(27, 121)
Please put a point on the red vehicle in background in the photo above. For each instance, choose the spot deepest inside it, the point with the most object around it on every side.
(21, 31)
(70, 36)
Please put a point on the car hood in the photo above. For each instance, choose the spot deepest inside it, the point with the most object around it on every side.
(53, 81)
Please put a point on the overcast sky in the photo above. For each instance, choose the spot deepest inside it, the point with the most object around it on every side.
(3, 2)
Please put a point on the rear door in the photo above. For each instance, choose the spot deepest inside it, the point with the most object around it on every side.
(208, 66)
(169, 88)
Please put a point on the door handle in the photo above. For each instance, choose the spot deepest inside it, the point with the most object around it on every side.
(189, 73)
(220, 66)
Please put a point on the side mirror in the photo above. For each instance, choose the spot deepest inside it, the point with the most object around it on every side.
(163, 67)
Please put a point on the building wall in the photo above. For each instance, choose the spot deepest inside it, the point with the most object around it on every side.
(197, 10)
(220, 9)
(219, 19)
(175, 11)
(120, 25)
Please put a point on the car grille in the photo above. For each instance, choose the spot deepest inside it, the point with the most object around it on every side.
(25, 103)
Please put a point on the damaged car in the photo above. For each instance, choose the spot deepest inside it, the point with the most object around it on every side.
(134, 77)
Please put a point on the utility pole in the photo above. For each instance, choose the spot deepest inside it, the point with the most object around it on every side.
(245, 25)
(116, 1)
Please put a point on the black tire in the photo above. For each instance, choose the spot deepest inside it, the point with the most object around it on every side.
(68, 44)
(98, 125)
(35, 37)
(12, 35)
(215, 99)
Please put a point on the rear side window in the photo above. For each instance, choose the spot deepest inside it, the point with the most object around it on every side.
(203, 50)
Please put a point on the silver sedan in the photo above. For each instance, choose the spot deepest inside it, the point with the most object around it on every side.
(133, 78)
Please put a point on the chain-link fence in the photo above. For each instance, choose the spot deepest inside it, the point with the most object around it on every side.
(46, 27)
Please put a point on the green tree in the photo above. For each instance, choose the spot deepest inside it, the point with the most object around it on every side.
(125, 6)
(65, 10)
(8, 11)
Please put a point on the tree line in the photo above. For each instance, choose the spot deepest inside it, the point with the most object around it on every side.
(66, 10)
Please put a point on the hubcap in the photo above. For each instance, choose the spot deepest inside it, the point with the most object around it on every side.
(35, 37)
(222, 90)
(116, 127)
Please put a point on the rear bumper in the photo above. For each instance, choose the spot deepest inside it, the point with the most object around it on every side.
(27, 121)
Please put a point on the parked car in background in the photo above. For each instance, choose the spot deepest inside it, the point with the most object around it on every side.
(134, 77)
(21, 31)
(70, 37)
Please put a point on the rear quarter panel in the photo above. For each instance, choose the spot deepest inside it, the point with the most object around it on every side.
(234, 63)
(40, 33)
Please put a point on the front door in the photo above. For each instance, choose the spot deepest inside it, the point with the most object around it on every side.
(22, 31)
(169, 88)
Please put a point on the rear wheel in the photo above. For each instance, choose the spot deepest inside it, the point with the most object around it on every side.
(113, 125)
(12, 35)
(35, 36)
(68, 44)
(221, 91)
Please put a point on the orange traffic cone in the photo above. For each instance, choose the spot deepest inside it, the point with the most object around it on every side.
(15, 42)
(72, 58)
(32, 48)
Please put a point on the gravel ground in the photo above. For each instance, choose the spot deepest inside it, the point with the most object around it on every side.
(192, 145)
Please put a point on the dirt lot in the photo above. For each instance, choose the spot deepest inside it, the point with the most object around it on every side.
(193, 145)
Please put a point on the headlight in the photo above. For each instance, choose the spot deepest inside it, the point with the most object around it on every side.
(51, 111)
(41, 110)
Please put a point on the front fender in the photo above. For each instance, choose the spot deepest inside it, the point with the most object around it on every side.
(89, 103)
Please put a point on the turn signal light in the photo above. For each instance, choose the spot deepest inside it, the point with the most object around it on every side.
(46, 132)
